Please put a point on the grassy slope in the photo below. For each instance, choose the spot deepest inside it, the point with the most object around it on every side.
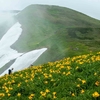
(63, 31)
(76, 78)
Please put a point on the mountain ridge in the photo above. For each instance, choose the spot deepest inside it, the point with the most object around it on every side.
(63, 31)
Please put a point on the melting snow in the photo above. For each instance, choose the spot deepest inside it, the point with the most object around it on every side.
(23, 60)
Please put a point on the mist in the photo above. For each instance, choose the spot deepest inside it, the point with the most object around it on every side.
(88, 7)
(6, 21)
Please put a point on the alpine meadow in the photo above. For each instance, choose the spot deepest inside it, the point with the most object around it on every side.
(70, 67)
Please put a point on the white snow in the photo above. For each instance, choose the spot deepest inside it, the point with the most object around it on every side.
(23, 60)
(6, 53)
(11, 36)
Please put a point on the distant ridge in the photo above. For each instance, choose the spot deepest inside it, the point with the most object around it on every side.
(11, 11)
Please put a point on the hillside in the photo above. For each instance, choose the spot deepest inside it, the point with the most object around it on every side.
(72, 78)
(63, 31)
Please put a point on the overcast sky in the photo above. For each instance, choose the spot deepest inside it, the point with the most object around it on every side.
(89, 7)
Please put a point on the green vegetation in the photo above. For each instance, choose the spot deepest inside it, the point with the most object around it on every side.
(67, 34)
(72, 78)
(63, 31)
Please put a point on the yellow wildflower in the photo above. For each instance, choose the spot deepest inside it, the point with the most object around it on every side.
(47, 91)
(9, 94)
(62, 67)
(97, 83)
(19, 85)
(79, 79)
(26, 81)
(54, 93)
(50, 75)
(95, 73)
(32, 95)
(78, 85)
(82, 91)
(43, 94)
(83, 81)
(19, 94)
(64, 73)
(7, 91)
(46, 82)
(80, 62)
(73, 94)
(13, 81)
(30, 98)
(95, 94)
(68, 73)
(2, 94)
(54, 97)
(68, 67)
(76, 67)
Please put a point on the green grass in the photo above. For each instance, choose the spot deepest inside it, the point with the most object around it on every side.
(71, 78)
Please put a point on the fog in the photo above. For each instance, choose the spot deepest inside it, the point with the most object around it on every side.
(89, 7)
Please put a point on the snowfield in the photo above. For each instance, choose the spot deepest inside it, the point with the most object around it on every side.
(23, 60)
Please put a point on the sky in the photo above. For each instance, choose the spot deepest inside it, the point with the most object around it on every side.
(88, 7)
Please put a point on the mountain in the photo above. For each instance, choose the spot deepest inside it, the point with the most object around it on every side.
(63, 31)
(11, 11)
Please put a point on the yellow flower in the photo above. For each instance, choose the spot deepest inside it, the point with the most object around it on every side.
(47, 91)
(2, 94)
(10, 88)
(78, 85)
(46, 82)
(43, 93)
(9, 94)
(64, 73)
(32, 95)
(13, 81)
(83, 81)
(52, 80)
(82, 91)
(30, 98)
(19, 85)
(95, 94)
(7, 91)
(76, 67)
(54, 93)
(31, 79)
(68, 73)
(9, 82)
(80, 63)
(95, 74)
(79, 79)
(54, 97)
(26, 81)
(97, 83)
(73, 94)
(19, 94)
(62, 67)
(68, 67)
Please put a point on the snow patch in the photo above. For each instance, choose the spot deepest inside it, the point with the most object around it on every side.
(23, 60)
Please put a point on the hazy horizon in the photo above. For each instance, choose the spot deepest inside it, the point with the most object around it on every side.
(88, 7)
